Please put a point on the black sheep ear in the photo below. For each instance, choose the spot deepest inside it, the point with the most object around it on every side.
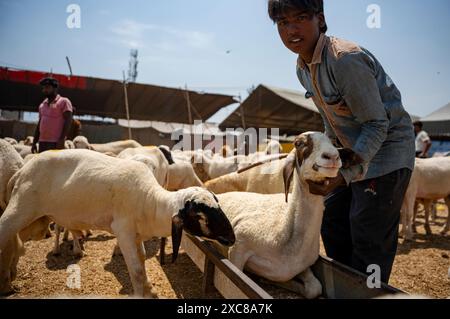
(177, 233)
(167, 154)
(214, 196)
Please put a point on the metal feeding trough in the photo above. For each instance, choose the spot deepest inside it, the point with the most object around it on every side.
(338, 280)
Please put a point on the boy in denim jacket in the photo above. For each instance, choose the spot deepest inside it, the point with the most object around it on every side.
(362, 110)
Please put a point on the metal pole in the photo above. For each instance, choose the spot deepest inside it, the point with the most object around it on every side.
(70, 67)
(126, 105)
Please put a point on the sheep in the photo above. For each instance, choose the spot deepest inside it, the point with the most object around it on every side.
(172, 176)
(69, 145)
(11, 140)
(10, 164)
(76, 235)
(181, 176)
(89, 190)
(158, 160)
(82, 142)
(23, 150)
(273, 147)
(181, 172)
(430, 180)
(153, 158)
(276, 240)
(226, 151)
(207, 168)
(28, 141)
(264, 179)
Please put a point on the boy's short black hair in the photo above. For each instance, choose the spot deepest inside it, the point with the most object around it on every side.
(419, 124)
(277, 8)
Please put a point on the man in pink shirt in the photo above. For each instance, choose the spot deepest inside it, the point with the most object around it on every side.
(55, 118)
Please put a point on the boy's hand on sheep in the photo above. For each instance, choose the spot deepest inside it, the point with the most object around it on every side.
(326, 187)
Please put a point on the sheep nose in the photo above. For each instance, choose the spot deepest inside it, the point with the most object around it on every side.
(330, 157)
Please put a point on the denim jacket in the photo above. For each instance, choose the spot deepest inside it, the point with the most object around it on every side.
(361, 107)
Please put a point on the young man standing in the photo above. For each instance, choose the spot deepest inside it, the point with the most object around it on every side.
(55, 118)
(423, 141)
(362, 111)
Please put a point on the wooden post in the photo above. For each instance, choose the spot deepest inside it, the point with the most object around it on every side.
(126, 105)
(242, 113)
(188, 103)
(208, 277)
(162, 251)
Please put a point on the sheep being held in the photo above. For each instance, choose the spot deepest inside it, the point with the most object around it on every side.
(276, 240)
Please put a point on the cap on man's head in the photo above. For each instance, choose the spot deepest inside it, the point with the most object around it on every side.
(49, 81)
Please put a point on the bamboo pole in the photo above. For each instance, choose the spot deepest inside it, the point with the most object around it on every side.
(126, 105)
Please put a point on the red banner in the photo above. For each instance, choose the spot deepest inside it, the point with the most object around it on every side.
(33, 77)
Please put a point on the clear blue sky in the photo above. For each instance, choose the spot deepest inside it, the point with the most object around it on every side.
(186, 42)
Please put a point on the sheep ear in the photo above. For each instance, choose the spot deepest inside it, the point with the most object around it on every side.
(167, 154)
(288, 173)
(177, 233)
(349, 158)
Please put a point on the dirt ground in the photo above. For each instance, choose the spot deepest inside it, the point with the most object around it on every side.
(421, 267)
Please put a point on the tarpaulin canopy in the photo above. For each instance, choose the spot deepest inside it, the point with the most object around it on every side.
(270, 107)
(438, 123)
(20, 91)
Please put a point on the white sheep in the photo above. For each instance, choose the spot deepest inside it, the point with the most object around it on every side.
(82, 142)
(181, 176)
(82, 189)
(28, 141)
(208, 168)
(11, 140)
(23, 150)
(430, 180)
(69, 145)
(264, 179)
(276, 240)
(10, 164)
(154, 158)
(226, 151)
(273, 147)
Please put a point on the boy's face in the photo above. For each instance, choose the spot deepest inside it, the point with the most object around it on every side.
(300, 31)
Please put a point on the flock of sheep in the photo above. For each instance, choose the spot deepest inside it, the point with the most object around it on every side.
(262, 216)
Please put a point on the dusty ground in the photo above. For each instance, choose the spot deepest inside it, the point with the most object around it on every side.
(421, 267)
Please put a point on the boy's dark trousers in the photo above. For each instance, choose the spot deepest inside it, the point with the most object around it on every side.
(360, 224)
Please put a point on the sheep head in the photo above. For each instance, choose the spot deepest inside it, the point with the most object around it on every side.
(201, 216)
(314, 157)
(82, 142)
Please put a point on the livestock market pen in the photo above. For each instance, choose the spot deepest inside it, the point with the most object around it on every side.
(338, 281)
